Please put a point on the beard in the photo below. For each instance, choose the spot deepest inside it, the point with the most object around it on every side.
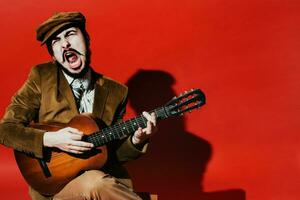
(83, 71)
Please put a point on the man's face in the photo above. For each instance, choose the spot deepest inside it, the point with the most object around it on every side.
(69, 49)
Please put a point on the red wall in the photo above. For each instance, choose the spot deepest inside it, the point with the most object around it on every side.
(243, 54)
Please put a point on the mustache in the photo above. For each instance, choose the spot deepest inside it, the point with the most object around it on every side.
(70, 49)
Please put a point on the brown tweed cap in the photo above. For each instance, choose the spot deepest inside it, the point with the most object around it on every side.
(57, 22)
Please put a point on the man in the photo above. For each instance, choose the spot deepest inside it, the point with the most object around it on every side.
(59, 90)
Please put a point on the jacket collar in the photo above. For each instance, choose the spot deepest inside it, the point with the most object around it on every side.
(65, 91)
(101, 92)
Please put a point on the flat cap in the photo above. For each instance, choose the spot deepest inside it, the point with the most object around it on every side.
(57, 22)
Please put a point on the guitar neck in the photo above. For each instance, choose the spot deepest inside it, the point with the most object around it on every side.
(123, 129)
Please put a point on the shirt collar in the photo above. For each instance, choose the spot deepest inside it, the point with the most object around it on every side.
(86, 80)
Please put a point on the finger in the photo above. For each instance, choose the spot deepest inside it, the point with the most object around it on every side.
(77, 148)
(153, 117)
(138, 133)
(76, 136)
(70, 129)
(64, 149)
(75, 151)
(74, 130)
(147, 116)
(82, 144)
(148, 129)
(67, 149)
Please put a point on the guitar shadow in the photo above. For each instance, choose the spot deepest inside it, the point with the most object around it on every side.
(176, 161)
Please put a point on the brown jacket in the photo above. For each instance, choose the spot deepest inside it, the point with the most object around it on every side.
(47, 97)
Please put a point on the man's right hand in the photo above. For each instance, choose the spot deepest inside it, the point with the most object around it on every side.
(67, 139)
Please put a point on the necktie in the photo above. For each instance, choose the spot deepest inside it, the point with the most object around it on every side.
(78, 90)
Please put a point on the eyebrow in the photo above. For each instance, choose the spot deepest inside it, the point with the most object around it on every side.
(69, 31)
(55, 38)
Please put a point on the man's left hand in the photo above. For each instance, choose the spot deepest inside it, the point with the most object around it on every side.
(141, 135)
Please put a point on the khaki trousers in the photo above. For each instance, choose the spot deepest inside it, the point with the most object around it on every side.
(92, 185)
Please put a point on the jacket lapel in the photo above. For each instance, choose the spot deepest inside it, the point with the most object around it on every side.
(101, 93)
(100, 97)
(65, 90)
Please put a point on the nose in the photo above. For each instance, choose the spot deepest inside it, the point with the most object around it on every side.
(65, 43)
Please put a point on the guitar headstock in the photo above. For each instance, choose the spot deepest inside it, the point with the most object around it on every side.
(185, 102)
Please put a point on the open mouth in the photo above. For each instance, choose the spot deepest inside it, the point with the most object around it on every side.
(72, 57)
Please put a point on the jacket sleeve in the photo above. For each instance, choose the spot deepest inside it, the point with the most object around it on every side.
(23, 109)
(126, 151)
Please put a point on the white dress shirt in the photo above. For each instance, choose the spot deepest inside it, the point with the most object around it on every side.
(87, 99)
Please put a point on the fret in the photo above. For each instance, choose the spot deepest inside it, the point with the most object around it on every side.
(109, 135)
(125, 123)
(92, 139)
(100, 138)
(156, 113)
(165, 114)
(137, 122)
(145, 123)
(95, 139)
(123, 129)
(103, 136)
(141, 124)
(120, 130)
(133, 128)
(115, 131)
(173, 108)
(161, 113)
(136, 125)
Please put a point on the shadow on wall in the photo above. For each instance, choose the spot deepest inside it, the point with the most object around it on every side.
(176, 161)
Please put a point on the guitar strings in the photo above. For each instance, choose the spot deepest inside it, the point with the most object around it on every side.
(117, 131)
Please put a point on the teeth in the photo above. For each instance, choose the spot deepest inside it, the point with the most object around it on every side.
(68, 55)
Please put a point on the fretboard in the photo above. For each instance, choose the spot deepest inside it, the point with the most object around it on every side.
(123, 129)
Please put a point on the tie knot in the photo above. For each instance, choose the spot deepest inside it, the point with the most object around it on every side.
(78, 88)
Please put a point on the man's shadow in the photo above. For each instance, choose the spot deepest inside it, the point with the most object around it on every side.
(176, 161)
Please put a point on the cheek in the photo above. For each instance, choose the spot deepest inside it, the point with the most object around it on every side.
(80, 47)
(83, 49)
(57, 54)
(79, 44)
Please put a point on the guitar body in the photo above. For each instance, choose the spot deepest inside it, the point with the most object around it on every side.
(63, 166)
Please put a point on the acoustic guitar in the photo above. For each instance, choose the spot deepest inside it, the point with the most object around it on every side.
(50, 175)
